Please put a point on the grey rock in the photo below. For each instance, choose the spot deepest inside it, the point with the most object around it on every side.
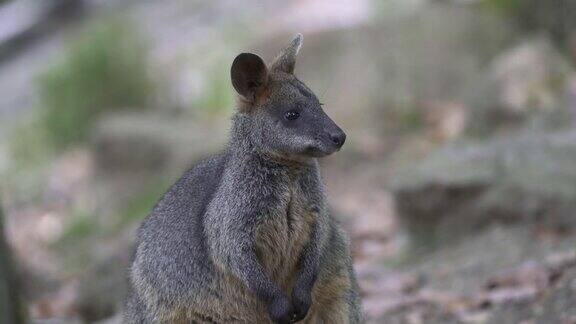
(147, 142)
(526, 83)
(528, 177)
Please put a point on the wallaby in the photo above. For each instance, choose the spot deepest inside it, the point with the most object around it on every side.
(245, 236)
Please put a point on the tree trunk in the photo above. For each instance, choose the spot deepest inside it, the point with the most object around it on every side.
(11, 307)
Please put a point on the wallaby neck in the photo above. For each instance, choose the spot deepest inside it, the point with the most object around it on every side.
(242, 148)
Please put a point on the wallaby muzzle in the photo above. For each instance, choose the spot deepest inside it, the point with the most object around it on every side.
(329, 139)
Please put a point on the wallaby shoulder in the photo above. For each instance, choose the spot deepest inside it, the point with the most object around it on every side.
(186, 200)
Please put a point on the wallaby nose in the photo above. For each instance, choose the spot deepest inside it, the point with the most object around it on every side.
(338, 138)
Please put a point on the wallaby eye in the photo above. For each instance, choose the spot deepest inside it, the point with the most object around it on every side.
(291, 115)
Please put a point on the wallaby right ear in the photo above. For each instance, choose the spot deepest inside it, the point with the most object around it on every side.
(249, 75)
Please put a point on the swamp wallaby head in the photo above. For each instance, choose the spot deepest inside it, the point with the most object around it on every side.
(284, 116)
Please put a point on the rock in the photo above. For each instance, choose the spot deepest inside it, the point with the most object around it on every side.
(151, 142)
(528, 177)
(525, 82)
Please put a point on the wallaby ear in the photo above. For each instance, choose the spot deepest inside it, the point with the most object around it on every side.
(285, 61)
(249, 75)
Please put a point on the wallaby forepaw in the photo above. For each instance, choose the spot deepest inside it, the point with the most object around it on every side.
(301, 300)
(281, 310)
(300, 311)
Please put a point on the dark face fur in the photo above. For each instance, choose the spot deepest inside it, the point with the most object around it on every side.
(286, 118)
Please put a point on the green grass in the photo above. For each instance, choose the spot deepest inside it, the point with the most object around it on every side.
(103, 68)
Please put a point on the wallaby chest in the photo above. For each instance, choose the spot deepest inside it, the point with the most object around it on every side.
(283, 233)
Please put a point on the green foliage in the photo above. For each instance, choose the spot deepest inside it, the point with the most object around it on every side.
(103, 69)
(81, 226)
(28, 145)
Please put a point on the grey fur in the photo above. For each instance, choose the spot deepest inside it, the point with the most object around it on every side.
(245, 236)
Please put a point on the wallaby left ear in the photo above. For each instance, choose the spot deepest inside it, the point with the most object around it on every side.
(249, 75)
(285, 61)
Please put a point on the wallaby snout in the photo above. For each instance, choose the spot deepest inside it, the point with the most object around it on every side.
(338, 137)
(330, 139)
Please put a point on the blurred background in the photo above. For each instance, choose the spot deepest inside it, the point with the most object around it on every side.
(457, 183)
